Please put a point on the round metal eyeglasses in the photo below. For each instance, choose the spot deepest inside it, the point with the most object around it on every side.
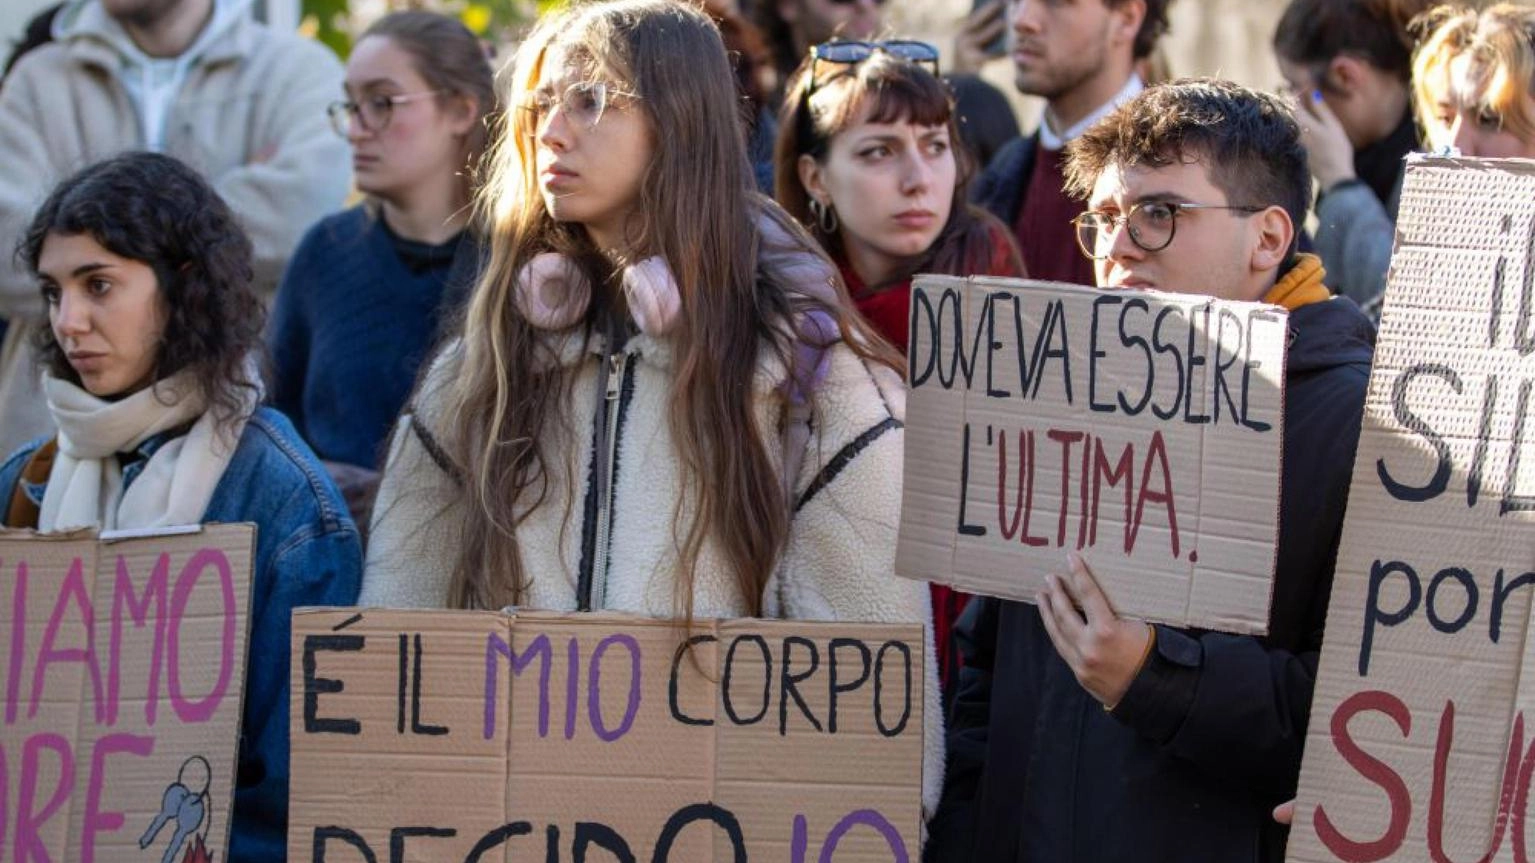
(371, 113)
(1152, 225)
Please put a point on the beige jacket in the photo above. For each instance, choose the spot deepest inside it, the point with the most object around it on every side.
(840, 559)
(250, 115)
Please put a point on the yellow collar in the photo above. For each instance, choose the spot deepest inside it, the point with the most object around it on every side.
(1301, 286)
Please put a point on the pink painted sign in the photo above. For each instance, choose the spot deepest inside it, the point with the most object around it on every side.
(121, 678)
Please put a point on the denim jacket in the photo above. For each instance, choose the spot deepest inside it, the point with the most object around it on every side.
(307, 553)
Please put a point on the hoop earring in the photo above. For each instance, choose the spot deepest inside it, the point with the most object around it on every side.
(825, 216)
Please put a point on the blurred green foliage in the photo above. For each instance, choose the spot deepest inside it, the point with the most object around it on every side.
(338, 22)
(326, 20)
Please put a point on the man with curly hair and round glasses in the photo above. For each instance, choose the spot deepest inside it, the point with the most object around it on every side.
(1078, 734)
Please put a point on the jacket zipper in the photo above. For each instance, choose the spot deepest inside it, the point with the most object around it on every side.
(613, 373)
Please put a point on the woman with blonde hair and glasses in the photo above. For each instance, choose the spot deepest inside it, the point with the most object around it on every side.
(368, 289)
(1474, 80)
(662, 401)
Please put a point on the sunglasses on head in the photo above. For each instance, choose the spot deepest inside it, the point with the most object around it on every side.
(851, 53)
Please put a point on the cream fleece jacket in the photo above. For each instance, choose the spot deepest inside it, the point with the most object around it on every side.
(839, 563)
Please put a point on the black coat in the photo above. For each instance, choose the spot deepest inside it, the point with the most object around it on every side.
(1208, 738)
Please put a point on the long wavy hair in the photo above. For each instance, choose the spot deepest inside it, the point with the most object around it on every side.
(505, 403)
(891, 90)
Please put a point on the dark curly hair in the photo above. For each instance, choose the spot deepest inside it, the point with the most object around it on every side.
(1248, 140)
(154, 209)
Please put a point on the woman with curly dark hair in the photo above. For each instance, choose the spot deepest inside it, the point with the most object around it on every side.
(149, 370)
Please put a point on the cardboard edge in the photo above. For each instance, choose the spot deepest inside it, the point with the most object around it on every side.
(70, 535)
(111, 536)
(252, 531)
(1447, 159)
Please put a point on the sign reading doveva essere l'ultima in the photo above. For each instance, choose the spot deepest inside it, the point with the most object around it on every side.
(1139, 428)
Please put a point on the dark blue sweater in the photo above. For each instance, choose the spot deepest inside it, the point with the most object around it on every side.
(357, 313)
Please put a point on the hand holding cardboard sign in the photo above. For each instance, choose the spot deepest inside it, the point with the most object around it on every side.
(1104, 650)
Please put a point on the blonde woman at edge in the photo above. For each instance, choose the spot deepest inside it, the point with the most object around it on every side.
(622, 425)
(1473, 79)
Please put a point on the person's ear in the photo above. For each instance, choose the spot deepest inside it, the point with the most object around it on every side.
(812, 178)
(462, 112)
(1346, 74)
(1126, 19)
(1273, 234)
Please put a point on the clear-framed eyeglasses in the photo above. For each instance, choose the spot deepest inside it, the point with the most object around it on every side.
(582, 103)
(1152, 225)
(371, 113)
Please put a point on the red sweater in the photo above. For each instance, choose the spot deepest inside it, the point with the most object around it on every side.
(1044, 229)
(887, 309)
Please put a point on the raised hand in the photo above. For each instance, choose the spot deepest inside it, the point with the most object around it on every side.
(1327, 145)
(983, 26)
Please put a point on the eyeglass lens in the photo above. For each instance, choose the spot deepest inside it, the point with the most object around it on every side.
(372, 114)
(582, 103)
(1151, 227)
(857, 52)
(850, 52)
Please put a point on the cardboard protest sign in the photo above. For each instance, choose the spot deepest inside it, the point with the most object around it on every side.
(124, 666)
(1140, 428)
(1417, 746)
(479, 736)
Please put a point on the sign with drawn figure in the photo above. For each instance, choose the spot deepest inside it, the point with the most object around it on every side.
(1421, 744)
(1139, 428)
(479, 736)
(123, 667)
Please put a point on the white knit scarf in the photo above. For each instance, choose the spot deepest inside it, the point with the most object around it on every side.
(85, 486)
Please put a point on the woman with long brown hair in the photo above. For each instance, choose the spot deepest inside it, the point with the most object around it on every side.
(360, 305)
(662, 401)
(869, 158)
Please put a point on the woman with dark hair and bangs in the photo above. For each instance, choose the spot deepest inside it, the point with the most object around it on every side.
(150, 372)
(869, 159)
(663, 401)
